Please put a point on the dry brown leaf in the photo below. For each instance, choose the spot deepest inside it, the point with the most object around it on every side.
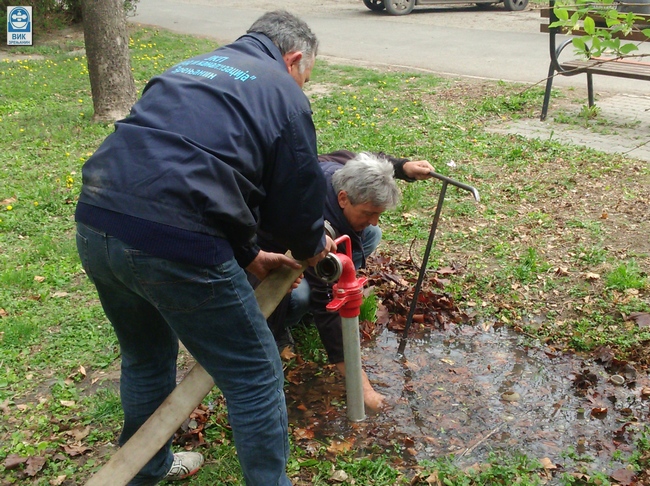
(58, 480)
(642, 319)
(338, 446)
(433, 479)
(78, 433)
(74, 450)
(303, 433)
(39, 278)
(340, 476)
(624, 476)
(287, 354)
(13, 461)
(34, 465)
(547, 463)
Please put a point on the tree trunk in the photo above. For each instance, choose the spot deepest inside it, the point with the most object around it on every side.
(109, 64)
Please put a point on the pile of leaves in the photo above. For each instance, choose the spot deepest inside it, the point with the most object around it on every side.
(394, 283)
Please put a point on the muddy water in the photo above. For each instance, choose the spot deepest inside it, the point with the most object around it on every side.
(475, 390)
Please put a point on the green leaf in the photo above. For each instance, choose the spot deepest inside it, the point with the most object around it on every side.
(590, 26)
(579, 43)
(646, 32)
(627, 48)
(561, 13)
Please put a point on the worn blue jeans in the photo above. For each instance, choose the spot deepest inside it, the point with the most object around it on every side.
(300, 296)
(151, 303)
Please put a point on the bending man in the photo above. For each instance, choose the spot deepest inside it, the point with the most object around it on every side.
(360, 187)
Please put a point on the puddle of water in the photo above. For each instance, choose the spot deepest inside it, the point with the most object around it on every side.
(470, 391)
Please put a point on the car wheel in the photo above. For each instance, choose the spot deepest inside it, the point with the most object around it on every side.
(375, 5)
(515, 4)
(399, 7)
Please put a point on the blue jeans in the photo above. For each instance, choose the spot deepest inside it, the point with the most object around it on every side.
(151, 303)
(300, 296)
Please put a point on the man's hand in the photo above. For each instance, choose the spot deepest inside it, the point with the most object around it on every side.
(266, 261)
(330, 247)
(418, 169)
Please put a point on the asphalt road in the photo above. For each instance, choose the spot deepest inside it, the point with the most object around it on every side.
(481, 43)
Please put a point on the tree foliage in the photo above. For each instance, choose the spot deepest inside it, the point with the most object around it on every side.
(601, 37)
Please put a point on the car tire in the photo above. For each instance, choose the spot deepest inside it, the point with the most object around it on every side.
(399, 7)
(515, 5)
(375, 5)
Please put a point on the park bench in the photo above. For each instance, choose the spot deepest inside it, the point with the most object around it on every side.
(617, 67)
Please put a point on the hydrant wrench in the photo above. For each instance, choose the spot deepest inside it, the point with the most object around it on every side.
(445, 182)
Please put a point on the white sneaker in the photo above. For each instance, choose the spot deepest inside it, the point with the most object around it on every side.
(185, 465)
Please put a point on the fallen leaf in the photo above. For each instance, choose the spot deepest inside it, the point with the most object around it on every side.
(34, 465)
(74, 450)
(598, 411)
(58, 480)
(592, 276)
(38, 278)
(338, 446)
(299, 433)
(67, 403)
(287, 354)
(3, 313)
(78, 433)
(339, 476)
(547, 463)
(624, 476)
(13, 461)
(642, 319)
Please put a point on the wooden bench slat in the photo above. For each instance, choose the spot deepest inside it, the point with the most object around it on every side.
(632, 36)
(611, 68)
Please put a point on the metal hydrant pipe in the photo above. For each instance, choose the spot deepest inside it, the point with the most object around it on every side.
(346, 300)
(352, 357)
(187, 395)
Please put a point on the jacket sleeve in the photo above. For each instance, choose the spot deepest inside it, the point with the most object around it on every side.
(342, 156)
(292, 211)
(398, 166)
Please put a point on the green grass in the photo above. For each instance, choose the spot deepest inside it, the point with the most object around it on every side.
(537, 239)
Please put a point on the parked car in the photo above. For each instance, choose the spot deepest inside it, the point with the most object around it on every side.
(403, 7)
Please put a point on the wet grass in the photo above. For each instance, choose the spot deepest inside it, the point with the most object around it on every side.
(556, 235)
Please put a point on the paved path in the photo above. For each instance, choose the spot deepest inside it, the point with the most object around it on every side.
(627, 130)
(493, 44)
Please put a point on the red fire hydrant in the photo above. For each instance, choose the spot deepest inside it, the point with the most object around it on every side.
(348, 293)
(346, 300)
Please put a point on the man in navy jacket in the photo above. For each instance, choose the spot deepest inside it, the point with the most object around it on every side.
(166, 222)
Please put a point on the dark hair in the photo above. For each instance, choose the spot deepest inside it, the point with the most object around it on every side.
(288, 33)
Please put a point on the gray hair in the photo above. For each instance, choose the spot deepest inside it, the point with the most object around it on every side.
(368, 178)
(289, 34)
